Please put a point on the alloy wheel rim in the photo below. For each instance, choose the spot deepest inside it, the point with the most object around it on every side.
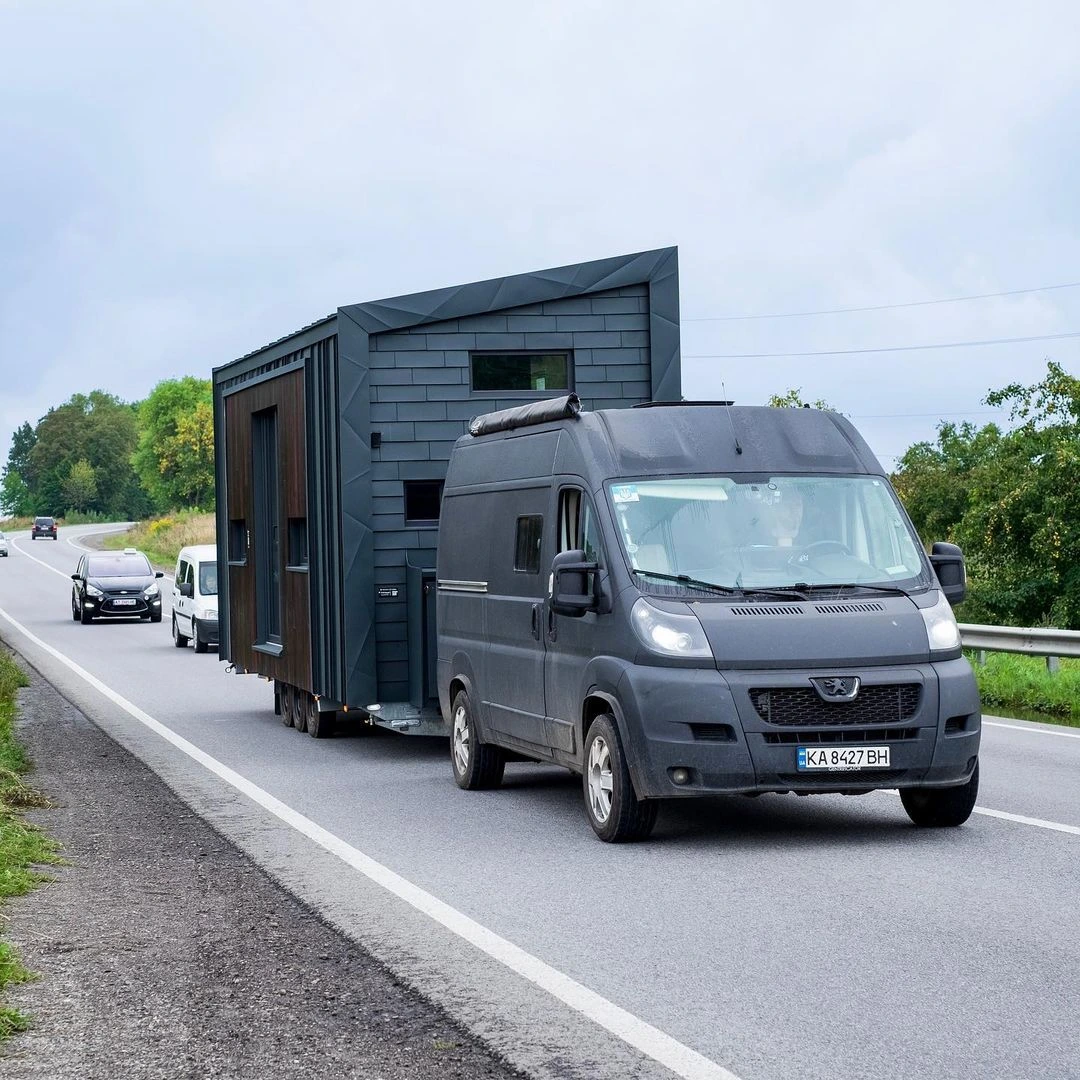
(601, 783)
(461, 740)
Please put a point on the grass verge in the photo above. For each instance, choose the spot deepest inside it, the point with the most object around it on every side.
(162, 538)
(22, 846)
(1022, 684)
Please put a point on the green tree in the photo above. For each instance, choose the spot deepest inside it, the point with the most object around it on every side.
(793, 399)
(15, 496)
(98, 427)
(174, 459)
(80, 486)
(1008, 498)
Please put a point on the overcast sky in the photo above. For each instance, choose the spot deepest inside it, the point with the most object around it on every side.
(183, 182)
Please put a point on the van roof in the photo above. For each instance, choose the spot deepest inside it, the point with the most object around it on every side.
(676, 439)
(198, 551)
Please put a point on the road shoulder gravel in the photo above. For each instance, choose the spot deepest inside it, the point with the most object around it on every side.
(163, 951)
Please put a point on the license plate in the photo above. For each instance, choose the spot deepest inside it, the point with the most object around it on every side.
(123, 603)
(842, 758)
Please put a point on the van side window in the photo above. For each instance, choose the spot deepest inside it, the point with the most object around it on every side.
(182, 572)
(578, 527)
(530, 533)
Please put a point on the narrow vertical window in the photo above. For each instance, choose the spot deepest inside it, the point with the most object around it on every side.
(530, 535)
(264, 448)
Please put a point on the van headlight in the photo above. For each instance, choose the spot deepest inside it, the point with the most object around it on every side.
(942, 633)
(669, 634)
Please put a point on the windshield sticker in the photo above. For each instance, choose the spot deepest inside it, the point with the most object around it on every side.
(624, 493)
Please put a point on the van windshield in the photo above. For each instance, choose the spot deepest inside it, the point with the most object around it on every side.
(208, 579)
(768, 532)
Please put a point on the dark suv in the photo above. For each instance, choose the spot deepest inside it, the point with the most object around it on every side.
(115, 584)
(43, 526)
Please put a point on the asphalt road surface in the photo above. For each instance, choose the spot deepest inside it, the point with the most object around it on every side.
(769, 939)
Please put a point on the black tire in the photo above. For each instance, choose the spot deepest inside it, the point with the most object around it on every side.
(156, 618)
(941, 808)
(200, 645)
(178, 639)
(477, 765)
(285, 697)
(84, 615)
(627, 817)
(74, 610)
(299, 709)
(320, 725)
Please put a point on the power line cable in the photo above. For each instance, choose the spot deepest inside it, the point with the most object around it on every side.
(882, 307)
(881, 349)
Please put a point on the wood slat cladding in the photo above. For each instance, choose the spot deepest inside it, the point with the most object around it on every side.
(286, 394)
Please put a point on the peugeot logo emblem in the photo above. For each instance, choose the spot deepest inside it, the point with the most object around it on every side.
(837, 687)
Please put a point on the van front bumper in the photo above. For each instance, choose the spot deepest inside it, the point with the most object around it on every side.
(208, 630)
(709, 727)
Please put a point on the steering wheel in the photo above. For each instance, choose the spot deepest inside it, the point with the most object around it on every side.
(823, 547)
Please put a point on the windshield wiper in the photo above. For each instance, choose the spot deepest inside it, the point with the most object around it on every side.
(842, 586)
(696, 583)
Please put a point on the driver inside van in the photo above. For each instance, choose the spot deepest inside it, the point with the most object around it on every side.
(783, 517)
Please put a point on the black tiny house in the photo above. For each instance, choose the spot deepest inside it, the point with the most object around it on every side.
(332, 445)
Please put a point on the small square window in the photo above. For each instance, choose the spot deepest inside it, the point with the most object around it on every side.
(237, 540)
(298, 546)
(530, 535)
(520, 373)
(423, 501)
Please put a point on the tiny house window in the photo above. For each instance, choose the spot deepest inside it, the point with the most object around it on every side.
(423, 499)
(298, 547)
(237, 540)
(520, 372)
(530, 534)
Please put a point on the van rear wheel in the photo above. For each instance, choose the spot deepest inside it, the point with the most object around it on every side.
(476, 765)
(615, 812)
(941, 808)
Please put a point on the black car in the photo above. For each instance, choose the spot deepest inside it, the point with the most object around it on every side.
(43, 526)
(115, 584)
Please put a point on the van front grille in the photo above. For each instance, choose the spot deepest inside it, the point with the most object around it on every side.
(826, 738)
(799, 706)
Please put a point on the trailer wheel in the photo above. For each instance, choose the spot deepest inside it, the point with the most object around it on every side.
(615, 812)
(320, 725)
(286, 696)
(476, 765)
(299, 709)
(941, 808)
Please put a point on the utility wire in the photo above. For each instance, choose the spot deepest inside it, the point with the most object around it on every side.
(882, 349)
(883, 307)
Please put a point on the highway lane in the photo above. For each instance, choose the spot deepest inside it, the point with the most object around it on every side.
(779, 937)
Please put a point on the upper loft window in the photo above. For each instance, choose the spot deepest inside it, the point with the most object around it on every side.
(520, 372)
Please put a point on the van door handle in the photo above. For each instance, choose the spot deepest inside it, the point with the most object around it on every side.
(552, 633)
(536, 620)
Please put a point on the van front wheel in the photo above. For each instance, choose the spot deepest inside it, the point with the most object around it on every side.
(615, 812)
(941, 808)
(477, 765)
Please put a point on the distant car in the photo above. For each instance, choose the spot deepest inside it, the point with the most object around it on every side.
(195, 598)
(3, 545)
(115, 584)
(43, 526)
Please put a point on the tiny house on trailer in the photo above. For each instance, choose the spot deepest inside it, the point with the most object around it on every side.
(332, 449)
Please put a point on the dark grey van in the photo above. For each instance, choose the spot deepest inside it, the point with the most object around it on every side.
(686, 599)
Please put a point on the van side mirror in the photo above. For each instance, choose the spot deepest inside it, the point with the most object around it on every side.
(186, 589)
(573, 590)
(948, 563)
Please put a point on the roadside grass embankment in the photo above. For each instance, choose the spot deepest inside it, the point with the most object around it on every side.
(1021, 686)
(22, 846)
(162, 538)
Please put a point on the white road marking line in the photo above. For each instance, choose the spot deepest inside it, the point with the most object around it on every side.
(638, 1033)
(1032, 730)
(41, 562)
(1037, 822)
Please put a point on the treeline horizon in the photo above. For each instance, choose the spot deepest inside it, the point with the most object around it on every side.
(98, 455)
(1007, 497)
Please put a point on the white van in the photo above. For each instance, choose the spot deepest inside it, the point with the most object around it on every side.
(195, 598)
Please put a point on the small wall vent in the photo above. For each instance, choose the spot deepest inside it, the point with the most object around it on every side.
(760, 609)
(848, 609)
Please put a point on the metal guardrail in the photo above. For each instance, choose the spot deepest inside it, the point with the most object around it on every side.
(1032, 640)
